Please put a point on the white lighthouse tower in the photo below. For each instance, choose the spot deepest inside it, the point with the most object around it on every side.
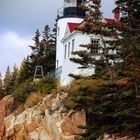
(69, 40)
(71, 12)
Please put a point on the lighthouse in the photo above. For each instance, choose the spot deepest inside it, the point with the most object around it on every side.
(71, 12)
(69, 40)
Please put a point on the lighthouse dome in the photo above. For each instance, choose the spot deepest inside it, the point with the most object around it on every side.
(72, 8)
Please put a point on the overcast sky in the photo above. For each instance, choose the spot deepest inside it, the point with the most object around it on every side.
(18, 21)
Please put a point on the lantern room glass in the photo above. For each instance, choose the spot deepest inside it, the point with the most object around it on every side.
(70, 3)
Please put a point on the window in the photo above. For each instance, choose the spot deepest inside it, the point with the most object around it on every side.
(65, 55)
(70, 3)
(73, 43)
(95, 44)
(69, 49)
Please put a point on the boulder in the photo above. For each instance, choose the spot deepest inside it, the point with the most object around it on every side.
(71, 122)
(59, 100)
(6, 106)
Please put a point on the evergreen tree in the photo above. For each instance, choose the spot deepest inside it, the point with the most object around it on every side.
(14, 77)
(1, 87)
(54, 34)
(36, 40)
(7, 81)
(100, 54)
(24, 71)
(130, 42)
(34, 57)
(46, 33)
(45, 52)
(50, 50)
(1, 83)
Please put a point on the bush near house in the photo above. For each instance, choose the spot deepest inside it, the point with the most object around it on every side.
(45, 85)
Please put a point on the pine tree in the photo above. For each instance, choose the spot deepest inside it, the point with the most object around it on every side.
(37, 53)
(130, 42)
(14, 76)
(1, 83)
(36, 40)
(54, 34)
(1, 87)
(7, 81)
(50, 48)
(102, 54)
(24, 71)
(46, 33)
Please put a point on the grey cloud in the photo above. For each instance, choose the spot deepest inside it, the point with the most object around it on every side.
(27, 15)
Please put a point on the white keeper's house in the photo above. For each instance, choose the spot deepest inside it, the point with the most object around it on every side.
(69, 40)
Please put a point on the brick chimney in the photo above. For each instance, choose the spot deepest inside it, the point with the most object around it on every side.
(117, 14)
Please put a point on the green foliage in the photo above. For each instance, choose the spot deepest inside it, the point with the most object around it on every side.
(1, 87)
(7, 81)
(14, 76)
(110, 109)
(130, 44)
(24, 71)
(45, 85)
(81, 94)
(23, 90)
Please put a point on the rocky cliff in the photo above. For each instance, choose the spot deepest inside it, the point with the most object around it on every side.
(48, 120)
(45, 121)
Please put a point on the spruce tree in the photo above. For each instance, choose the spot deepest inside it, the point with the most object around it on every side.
(14, 76)
(54, 32)
(101, 55)
(1, 87)
(50, 50)
(46, 33)
(24, 71)
(7, 81)
(36, 50)
(130, 42)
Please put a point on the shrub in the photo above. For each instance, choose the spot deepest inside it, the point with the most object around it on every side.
(33, 99)
(23, 90)
(82, 93)
(19, 109)
(45, 85)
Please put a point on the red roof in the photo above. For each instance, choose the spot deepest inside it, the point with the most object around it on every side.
(109, 20)
(72, 26)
